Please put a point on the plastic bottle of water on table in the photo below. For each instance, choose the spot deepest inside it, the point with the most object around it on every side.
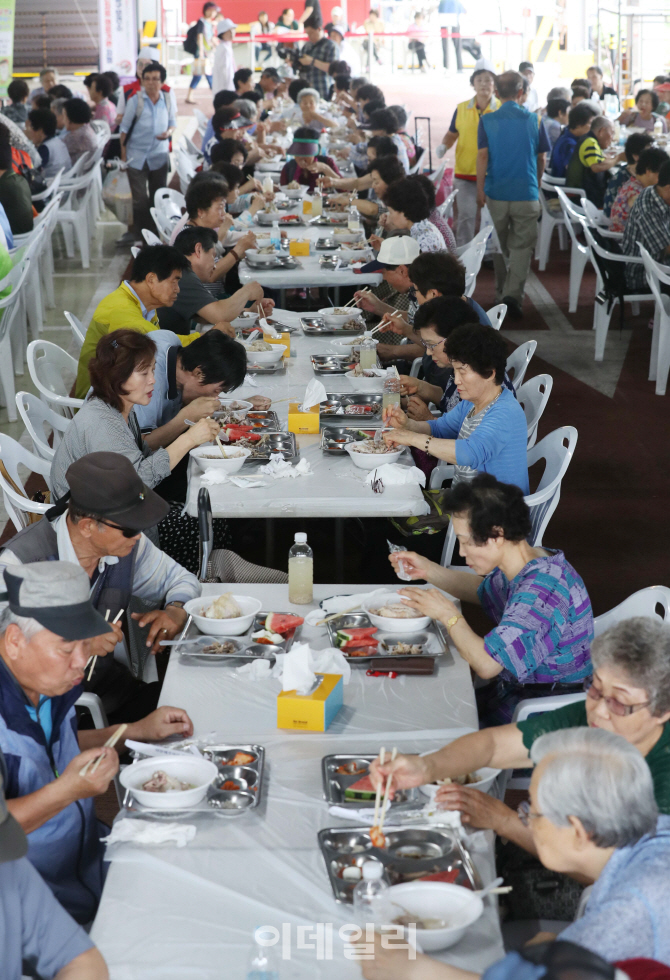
(263, 963)
(372, 902)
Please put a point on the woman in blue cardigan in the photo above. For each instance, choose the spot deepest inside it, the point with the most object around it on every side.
(486, 432)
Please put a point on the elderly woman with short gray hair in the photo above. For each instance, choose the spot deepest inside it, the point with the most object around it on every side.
(628, 694)
(593, 814)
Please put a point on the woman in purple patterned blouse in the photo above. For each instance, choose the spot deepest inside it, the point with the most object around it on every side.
(544, 621)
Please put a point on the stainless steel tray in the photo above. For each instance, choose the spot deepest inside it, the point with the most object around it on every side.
(336, 220)
(335, 437)
(332, 363)
(335, 784)
(280, 262)
(361, 620)
(277, 442)
(411, 853)
(247, 648)
(316, 326)
(276, 368)
(258, 425)
(336, 400)
(326, 245)
(263, 419)
(218, 801)
(266, 220)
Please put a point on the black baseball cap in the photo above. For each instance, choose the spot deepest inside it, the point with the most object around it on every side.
(107, 485)
(13, 842)
(57, 595)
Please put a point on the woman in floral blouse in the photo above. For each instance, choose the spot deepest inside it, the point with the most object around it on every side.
(646, 174)
(409, 210)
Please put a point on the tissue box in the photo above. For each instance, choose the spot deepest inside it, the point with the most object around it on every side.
(311, 712)
(303, 422)
(298, 246)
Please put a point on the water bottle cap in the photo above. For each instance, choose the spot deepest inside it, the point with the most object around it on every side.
(300, 537)
(372, 871)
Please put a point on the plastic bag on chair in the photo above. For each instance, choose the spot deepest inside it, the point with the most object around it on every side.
(116, 195)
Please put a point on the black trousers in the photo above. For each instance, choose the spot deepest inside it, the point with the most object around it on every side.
(143, 185)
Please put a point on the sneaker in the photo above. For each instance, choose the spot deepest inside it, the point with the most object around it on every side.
(513, 307)
(126, 240)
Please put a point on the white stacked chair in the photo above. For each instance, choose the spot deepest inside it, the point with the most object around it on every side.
(533, 396)
(659, 362)
(518, 362)
(11, 354)
(497, 315)
(201, 120)
(446, 209)
(53, 372)
(32, 301)
(17, 503)
(169, 201)
(78, 329)
(579, 253)
(75, 215)
(472, 256)
(150, 238)
(164, 225)
(41, 422)
(550, 219)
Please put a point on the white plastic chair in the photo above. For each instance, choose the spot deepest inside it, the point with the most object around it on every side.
(135, 250)
(10, 310)
(523, 710)
(472, 257)
(557, 450)
(52, 189)
(418, 160)
(202, 121)
(32, 293)
(659, 362)
(41, 422)
(53, 372)
(518, 362)
(76, 170)
(77, 328)
(101, 128)
(416, 367)
(17, 503)
(164, 226)
(497, 315)
(652, 601)
(74, 216)
(167, 199)
(446, 209)
(595, 215)
(436, 177)
(150, 238)
(549, 219)
(601, 314)
(191, 150)
(48, 218)
(579, 253)
(185, 170)
(533, 397)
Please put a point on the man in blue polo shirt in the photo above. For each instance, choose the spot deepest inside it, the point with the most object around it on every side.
(34, 929)
(510, 163)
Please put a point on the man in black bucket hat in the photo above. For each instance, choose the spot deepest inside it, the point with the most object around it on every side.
(34, 927)
(45, 634)
(99, 525)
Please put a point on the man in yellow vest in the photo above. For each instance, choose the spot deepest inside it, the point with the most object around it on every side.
(463, 129)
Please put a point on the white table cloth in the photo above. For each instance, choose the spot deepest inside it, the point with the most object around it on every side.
(172, 914)
(336, 488)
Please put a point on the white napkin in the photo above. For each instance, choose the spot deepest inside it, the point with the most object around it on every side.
(395, 475)
(211, 478)
(251, 381)
(315, 393)
(279, 468)
(297, 673)
(338, 603)
(268, 328)
(331, 661)
(364, 815)
(150, 832)
(446, 818)
(246, 481)
(257, 670)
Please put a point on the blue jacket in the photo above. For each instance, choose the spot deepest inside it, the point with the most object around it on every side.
(66, 850)
(628, 913)
(498, 444)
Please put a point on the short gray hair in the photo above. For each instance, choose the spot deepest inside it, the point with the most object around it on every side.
(57, 105)
(29, 627)
(45, 71)
(246, 108)
(601, 122)
(640, 647)
(308, 91)
(601, 779)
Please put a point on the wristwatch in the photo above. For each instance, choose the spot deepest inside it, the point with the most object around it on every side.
(176, 602)
(452, 621)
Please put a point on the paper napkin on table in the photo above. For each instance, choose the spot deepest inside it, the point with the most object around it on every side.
(300, 664)
(256, 670)
(395, 475)
(364, 815)
(150, 832)
(315, 393)
(279, 468)
(268, 328)
(211, 478)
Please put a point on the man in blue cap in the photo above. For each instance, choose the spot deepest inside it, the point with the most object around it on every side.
(44, 649)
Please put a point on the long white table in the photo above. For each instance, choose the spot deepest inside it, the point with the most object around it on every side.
(180, 914)
(336, 488)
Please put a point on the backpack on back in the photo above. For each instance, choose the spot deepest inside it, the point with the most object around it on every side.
(191, 39)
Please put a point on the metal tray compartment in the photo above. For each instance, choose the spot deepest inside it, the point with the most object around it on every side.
(263, 419)
(266, 219)
(335, 437)
(335, 783)
(279, 262)
(332, 363)
(191, 650)
(361, 620)
(331, 219)
(411, 853)
(275, 442)
(336, 400)
(326, 245)
(316, 326)
(277, 368)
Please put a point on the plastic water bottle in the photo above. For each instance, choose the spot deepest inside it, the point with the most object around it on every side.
(658, 127)
(275, 236)
(263, 963)
(353, 218)
(300, 571)
(368, 352)
(372, 903)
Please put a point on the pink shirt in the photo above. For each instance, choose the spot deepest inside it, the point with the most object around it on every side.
(106, 110)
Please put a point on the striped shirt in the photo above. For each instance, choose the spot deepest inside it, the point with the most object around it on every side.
(545, 622)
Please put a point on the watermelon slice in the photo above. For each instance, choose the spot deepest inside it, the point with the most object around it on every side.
(349, 635)
(366, 644)
(362, 789)
(282, 622)
(447, 876)
(235, 432)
